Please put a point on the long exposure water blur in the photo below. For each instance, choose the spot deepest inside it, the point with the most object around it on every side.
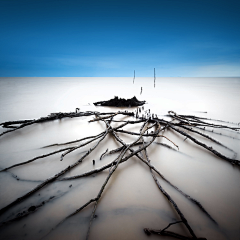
(131, 200)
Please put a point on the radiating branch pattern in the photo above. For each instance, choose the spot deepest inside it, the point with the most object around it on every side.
(152, 127)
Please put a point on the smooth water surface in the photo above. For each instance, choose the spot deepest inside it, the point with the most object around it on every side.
(131, 200)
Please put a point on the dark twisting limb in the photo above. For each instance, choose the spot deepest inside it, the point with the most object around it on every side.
(183, 219)
(209, 119)
(26, 212)
(208, 137)
(68, 149)
(15, 125)
(72, 214)
(199, 122)
(163, 232)
(115, 164)
(150, 166)
(71, 142)
(53, 178)
(177, 123)
(103, 154)
(112, 170)
(232, 161)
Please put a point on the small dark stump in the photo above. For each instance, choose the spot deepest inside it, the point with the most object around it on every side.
(121, 102)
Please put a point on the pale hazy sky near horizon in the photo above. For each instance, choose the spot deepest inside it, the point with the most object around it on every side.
(108, 38)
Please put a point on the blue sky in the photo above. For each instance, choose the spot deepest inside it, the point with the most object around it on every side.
(108, 38)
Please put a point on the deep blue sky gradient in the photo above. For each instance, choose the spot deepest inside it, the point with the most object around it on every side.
(98, 38)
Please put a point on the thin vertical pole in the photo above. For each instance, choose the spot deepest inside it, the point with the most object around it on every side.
(154, 77)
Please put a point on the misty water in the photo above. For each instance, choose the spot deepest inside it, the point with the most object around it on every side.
(131, 200)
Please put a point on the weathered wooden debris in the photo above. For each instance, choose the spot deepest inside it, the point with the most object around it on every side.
(121, 102)
(151, 122)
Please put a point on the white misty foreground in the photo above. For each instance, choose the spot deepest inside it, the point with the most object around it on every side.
(131, 200)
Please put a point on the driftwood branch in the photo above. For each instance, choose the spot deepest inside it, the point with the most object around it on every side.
(53, 178)
(153, 128)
